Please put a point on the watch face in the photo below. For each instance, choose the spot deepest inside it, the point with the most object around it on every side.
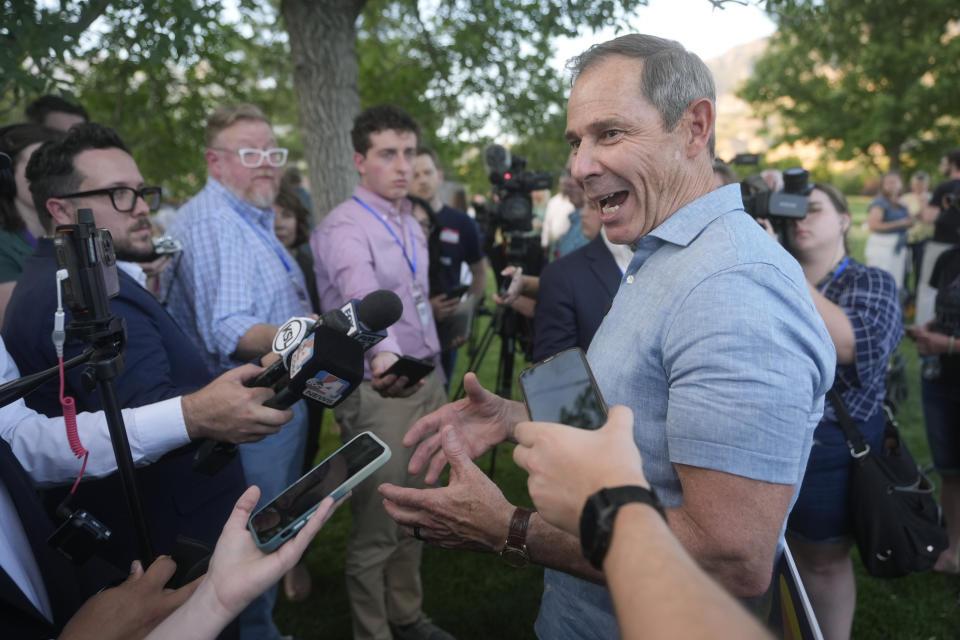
(515, 557)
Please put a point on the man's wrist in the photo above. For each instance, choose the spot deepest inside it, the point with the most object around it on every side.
(189, 406)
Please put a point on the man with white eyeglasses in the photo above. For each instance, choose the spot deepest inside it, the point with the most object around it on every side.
(234, 284)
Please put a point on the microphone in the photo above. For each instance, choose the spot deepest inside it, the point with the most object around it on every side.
(326, 367)
(370, 317)
(325, 362)
(496, 159)
(288, 337)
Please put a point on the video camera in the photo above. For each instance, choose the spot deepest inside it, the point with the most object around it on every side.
(512, 184)
(511, 213)
(790, 204)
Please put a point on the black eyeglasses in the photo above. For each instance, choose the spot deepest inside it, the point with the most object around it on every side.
(124, 199)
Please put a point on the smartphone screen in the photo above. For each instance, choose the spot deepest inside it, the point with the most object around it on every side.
(359, 457)
(562, 389)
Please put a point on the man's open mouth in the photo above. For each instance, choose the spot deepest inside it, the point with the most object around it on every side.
(610, 203)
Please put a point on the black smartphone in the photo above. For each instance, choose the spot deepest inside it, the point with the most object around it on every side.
(562, 389)
(458, 291)
(278, 520)
(413, 368)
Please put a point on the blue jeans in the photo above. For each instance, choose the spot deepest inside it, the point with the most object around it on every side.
(273, 464)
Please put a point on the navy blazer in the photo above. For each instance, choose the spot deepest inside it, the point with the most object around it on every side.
(161, 362)
(575, 294)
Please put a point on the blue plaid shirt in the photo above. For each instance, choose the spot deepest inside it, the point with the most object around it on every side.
(869, 298)
(232, 274)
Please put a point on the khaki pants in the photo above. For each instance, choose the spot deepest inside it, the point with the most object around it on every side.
(383, 564)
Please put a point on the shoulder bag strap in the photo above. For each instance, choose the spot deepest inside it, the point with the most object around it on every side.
(858, 446)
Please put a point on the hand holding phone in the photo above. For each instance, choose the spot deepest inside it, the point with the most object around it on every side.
(278, 520)
(562, 389)
(413, 368)
(458, 291)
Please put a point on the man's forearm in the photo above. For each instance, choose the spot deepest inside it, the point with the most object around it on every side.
(255, 342)
(556, 549)
(479, 284)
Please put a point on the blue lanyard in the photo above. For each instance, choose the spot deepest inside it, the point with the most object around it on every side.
(413, 243)
(283, 259)
(835, 274)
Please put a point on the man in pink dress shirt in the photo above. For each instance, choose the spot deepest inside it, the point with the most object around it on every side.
(372, 241)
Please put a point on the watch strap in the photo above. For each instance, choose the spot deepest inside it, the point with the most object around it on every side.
(600, 512)
(517, 536)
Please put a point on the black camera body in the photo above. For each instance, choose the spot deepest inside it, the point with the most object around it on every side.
(512, 185)
(79, 536)
(789, 204)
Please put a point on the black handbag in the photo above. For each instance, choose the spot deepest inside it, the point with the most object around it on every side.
(897, 523)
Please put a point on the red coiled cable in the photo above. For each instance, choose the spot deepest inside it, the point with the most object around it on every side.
(70, 421)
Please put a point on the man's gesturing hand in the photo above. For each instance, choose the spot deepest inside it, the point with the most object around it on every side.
(469, 513)
(482, 420)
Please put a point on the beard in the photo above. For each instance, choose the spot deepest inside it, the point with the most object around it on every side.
(130, 250)
(260, 199)
(254, 192)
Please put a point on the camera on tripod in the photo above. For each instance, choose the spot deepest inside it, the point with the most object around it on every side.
(512, 185)
(511, 213)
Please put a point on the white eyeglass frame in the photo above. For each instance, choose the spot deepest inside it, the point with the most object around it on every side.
(263, 155)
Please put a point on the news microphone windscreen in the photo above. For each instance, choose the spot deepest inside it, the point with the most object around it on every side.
(379, 309)
(336, 320)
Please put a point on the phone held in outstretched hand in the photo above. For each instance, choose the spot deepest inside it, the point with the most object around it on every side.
(413, 368)
(280, 519)
(562, 389)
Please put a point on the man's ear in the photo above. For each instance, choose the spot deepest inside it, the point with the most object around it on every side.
(61, 212)
(213, 163)
(700, 117)
(358, 162)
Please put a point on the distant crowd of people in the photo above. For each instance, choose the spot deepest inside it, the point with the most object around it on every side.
(712, 339)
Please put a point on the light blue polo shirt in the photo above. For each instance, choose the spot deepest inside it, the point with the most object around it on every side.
(714, 343)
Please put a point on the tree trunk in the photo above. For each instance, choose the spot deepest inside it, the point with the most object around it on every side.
(323, 52)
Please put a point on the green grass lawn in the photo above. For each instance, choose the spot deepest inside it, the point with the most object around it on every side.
(478, 597)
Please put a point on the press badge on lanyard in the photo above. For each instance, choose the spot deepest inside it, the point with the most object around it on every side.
(420, 300)
(423, 306)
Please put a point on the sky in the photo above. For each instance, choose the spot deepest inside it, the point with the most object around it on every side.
(701, 28)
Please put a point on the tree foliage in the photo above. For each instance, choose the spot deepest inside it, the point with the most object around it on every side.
(853, 75)
(471, 71)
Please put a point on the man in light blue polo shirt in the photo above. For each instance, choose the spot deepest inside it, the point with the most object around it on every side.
(712, 340)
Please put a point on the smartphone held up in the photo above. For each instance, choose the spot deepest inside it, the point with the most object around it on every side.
(562, 389)
(280, 519)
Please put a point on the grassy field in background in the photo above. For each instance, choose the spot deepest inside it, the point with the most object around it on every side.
(478, 597)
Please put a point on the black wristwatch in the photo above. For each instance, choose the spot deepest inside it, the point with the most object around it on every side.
(596, 521)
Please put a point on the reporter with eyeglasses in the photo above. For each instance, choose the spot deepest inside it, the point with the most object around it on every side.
(234, 283)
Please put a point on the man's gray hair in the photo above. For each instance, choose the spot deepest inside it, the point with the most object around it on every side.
(672, 77)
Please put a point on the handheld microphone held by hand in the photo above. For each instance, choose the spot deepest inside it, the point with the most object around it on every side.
(326, 364)
(326, 367)
(370, 317)
(288, 337)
